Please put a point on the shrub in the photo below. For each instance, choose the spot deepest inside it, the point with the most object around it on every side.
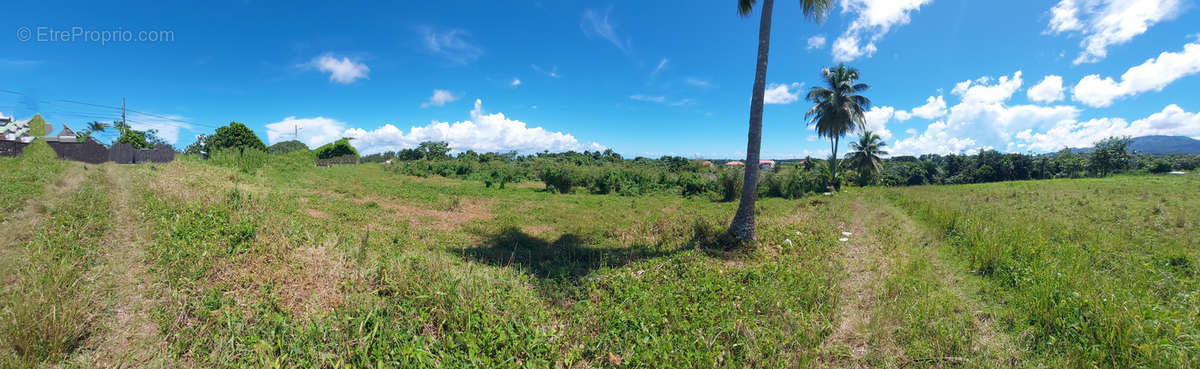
(1159, 166)
(336, 149)
(557, 178)
(286, 147)
(234, 136)
(247, 161)
(729, 182)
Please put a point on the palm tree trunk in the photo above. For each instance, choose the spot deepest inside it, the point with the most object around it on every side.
(833, 143)
(743, 222)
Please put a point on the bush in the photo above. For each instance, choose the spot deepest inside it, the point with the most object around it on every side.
(729, 182)
(285, 147)
(336, 149)
(1159, 166)
(247, 161)
(557, 178)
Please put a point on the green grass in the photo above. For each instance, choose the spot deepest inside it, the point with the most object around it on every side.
(1091, 272)
(47, 305)
(271, 262)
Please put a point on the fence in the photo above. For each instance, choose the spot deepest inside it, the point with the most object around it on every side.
(12, 148)
(90, 151)
(340, 160)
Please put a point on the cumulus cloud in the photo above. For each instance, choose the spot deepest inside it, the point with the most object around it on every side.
(816, 42)
(595, 24)
(516, 82)
(876, 120)
(342, 70)
(452, 44)
(780, 93)
(439, 98)
(982, 119)
(483, 132)
(1049, 90)
(1104, 23)
(934, 108)
(1172, 120)
(875, 18)
(1154, 74)
(313, 132)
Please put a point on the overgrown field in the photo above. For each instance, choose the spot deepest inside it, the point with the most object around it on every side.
(273, 263)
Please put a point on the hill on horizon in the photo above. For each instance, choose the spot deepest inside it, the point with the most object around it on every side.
(1157, 145)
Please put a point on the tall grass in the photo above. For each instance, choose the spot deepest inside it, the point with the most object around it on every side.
(49, 309)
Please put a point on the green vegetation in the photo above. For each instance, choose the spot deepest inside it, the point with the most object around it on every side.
(336, 149)
(234, 136)
(258, 260)
(837, 110)
(26, 176)
(284, 147)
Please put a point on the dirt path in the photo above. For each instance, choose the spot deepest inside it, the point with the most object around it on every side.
(865, 267)
(129, 336)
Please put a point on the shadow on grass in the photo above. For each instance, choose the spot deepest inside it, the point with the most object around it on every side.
(562, 263)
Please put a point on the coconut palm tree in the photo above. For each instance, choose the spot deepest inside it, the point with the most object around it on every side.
(865, 157)
(92, 128)
(837, 108)
(742, 226)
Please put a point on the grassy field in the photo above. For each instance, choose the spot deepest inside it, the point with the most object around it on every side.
(192, 264)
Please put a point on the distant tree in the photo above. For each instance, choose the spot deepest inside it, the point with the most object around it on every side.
(469, 155)
(838, 108)
(336, 149)
(1069, 164)
(865, 157)
(434, 150)
(285, 147)
(235, 136)
(197, 147)
(91, 129)
(1110, 155)
(135, 138)
(742, 225)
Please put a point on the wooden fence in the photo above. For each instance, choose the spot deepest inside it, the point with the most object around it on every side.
(12, 148)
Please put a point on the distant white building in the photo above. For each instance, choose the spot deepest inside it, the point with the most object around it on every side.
(14, 130)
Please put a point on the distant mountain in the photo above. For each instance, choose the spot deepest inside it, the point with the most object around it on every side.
(1159, 145)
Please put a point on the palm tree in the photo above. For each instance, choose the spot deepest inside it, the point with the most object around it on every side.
(865, 157)
(838, 108)
(742, 226)
(92, 128)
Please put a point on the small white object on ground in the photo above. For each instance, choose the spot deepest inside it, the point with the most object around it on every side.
(828, 194)
(1178, 173)
(847, 234)
(788, 242)
(797, 233)
(843, 239)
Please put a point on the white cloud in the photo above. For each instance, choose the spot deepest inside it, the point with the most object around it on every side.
(342, 70)
(875, 18)
(698, 82)
(1105, 23)
(1172, 120)
(816, 42)
(1047, 91)
(552, 73)
(876, 120)
(779, 93)
(911, 131)
(483, 133)
(1152, 75)
(981, 119)
(648, 98)
(662, 64)
(168, 126)
(516, 82)
(595, 24)
(439, 98)
(313, 132)
(452, 44)
(934, 108)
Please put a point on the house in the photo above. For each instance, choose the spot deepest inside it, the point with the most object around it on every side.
(11, 130)
(706, 163)
(66, 134)
(766, 164)
(735, 162)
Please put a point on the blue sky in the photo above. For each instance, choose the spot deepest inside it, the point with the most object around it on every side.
(643, 78)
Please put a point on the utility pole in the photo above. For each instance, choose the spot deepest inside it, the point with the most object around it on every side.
(124, 126)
